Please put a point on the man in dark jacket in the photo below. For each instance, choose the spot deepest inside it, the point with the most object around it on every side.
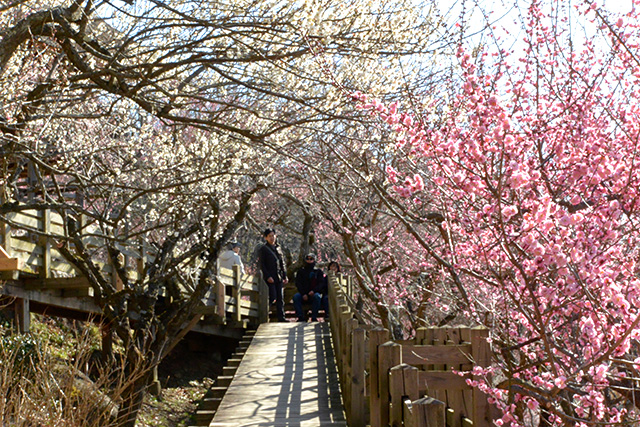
(312, 287)
(273, 270)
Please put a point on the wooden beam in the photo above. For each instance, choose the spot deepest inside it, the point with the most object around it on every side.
(57, 283)
(7, 263)
(205, 310)
(194, 321)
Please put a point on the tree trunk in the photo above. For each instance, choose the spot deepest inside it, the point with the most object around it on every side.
(132, 398)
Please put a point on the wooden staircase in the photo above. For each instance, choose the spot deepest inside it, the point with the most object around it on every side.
(212, 398)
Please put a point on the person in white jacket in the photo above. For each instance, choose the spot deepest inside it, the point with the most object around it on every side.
(231, 257)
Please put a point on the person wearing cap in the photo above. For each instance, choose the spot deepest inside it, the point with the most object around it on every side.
(231, 257)
(312, 284)
(273, 270)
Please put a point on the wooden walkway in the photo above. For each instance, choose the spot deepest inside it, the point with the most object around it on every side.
(287, 377)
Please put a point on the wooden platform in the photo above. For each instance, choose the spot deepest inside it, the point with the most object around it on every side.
(287, 377)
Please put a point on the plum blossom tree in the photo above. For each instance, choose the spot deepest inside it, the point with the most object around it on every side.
(341, 186)
(532, 168)
(164, 119)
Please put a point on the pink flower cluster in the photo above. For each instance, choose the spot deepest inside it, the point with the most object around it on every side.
(541, 186)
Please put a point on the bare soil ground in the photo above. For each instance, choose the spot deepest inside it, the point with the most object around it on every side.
(185, 376)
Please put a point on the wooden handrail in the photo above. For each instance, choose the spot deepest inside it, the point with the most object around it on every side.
(28, 253)
(409, 382)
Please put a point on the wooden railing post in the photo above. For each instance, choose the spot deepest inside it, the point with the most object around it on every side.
(358, 402)
(347, 361)
(22, 314)
(389, 355)
(425, 412)
(263, 300)
(45, 227)
(377, 337)
(115, 277)
(126, 257)
(236, 293)
(403, 384)
(482, 357)
(5, 234)
(8, 266)
(141, 262)
(220, 297)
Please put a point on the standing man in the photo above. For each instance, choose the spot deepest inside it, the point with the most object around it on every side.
(311, 283)
(273, 270)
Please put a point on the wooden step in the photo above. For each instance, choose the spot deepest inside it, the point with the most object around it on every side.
(234, 361)
(203, 418)
(223, 381)
(215, 391)
(229, 371)
(210, 403)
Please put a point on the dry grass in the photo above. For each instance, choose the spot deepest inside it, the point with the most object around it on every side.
(54, 377)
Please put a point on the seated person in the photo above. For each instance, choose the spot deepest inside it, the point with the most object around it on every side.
(312, 285)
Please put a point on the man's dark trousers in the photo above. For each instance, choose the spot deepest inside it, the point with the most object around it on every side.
(275, 294)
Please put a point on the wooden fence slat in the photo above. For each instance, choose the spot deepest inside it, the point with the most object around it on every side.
(377, 336)
(417, 355)
(465, 336)
(410, 420)
(428, 412)
(481, 357)
(439, 339)
(349, 326)
(358, 402)
(28, 218)
(389, 355)
(455, 398)
(436, 381)
(403, 384)
(20, 245)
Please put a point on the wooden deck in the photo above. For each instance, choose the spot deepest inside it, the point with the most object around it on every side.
(287, 377)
